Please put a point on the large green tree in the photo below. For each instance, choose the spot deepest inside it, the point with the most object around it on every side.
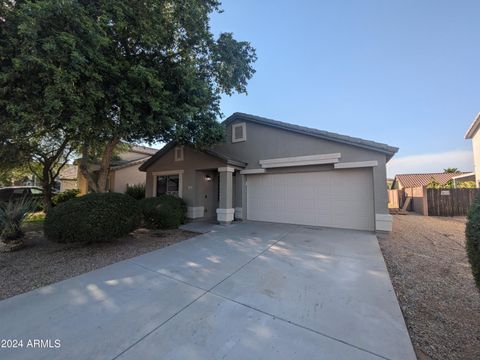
(49, 83)
(108, 71)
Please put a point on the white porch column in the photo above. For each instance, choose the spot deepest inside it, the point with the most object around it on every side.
(225, 212)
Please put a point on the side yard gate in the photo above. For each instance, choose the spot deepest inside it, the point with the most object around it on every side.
(450, 202)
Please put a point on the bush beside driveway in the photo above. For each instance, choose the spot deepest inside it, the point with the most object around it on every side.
(429, 268)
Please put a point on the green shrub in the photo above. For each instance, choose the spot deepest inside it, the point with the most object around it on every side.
(12, 215)
(92, 218)
(65, 196)
(163, 212)
(472, 233)
(136, 191)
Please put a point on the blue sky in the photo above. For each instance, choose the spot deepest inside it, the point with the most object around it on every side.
(401, 72)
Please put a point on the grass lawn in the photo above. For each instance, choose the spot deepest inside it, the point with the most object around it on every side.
(34, 218)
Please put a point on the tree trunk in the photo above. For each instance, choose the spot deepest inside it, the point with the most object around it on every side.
(83, 166)
(104, 172)
(47, 187)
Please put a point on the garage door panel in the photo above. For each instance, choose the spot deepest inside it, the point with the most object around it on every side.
(340, 198)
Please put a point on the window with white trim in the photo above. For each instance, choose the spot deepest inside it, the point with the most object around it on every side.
(168, 185)
(179, 153)
(239, 132)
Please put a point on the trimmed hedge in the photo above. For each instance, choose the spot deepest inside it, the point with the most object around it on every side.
(136, 191)
(163, 212)
(94, 217)
(472, 233)
(65, 196)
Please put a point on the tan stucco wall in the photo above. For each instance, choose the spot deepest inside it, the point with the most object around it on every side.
(68, 185)
(193, 160)
(417, 195)
(127, 176)
(82, 184)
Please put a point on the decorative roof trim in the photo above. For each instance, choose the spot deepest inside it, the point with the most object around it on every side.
(301, 160)
(356, 164)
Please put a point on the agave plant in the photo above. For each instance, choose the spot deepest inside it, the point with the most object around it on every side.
(12, 215)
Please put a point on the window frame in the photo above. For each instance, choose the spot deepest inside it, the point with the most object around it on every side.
(178, 173)
(243, 126)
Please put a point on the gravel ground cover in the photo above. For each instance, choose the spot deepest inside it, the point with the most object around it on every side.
(431, 275)
(43, 262)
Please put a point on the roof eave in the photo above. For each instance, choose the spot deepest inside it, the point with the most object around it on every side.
(172, 144)
(157, 155)
(473, 127)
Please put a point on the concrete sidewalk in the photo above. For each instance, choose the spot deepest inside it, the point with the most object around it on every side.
(247, 291)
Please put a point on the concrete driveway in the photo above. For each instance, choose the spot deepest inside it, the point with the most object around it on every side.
(247, 291)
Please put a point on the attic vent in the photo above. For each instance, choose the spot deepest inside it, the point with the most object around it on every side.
(239, 132)
(179, 153)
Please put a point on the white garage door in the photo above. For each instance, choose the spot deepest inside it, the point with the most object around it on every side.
(340, 198)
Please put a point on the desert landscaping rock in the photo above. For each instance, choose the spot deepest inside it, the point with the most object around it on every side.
(431, 275)
(42, 262)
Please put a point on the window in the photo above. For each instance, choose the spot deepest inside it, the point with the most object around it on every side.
(168, 185)
(179, 153)
(239, 132)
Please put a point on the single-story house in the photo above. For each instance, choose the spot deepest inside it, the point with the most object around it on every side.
(273, 171)
(414, 186)
(123, 171)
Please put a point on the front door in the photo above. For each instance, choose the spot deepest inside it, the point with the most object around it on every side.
(210, 194)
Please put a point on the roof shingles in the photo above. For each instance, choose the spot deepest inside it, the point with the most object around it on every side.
(417, 180)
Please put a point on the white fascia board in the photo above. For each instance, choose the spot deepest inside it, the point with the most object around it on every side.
(301, 163)
(252, 171)
(320, 157)
(226, 169)
(357, 164)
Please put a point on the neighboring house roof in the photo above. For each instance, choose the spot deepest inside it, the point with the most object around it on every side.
(366, 144)
(143, 150)
(126, 164)
(418, 180)
(69, 172)
(229, 160)
(473, 127)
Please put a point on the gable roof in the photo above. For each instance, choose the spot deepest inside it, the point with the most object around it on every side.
(229, 160)
(417, 180)
(473, 127)
(326, 135)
